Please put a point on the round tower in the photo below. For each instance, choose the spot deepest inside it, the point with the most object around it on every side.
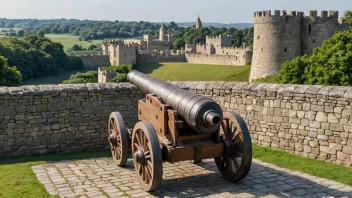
(162, 33)
(276, 39)
(198, 23)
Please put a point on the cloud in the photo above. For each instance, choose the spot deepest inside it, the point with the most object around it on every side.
(68, 2)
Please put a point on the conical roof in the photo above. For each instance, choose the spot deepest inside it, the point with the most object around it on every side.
(163, 27)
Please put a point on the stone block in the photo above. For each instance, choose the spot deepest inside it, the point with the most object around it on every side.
(332, 118)
(347, 150)
(328, 150)
(321, 117)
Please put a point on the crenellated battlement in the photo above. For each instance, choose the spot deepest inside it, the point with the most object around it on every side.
(277, 16)
(217, 37)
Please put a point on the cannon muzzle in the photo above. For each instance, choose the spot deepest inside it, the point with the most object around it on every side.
(201, 113)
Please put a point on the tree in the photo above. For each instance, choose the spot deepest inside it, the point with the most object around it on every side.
(348, 17)
(20, 33)
(41, 34)
(180, 42)
(9, 76)
(79, 78)
(330, 64)
(2, 24)
(92, 47)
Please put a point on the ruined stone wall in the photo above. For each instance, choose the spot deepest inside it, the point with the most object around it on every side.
(214, 59)
(156, 58)
(61, 118)
(93, 62)
(311, 121)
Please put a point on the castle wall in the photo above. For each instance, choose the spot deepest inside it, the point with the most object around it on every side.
(105, 76)
(276, 40)
(316, 29)
(311, 121)
(201, 49)
(215, 43)
(127, 55)
(159, 45)
(281, 37)
(93, 62)
(215, 59)
(157, 58)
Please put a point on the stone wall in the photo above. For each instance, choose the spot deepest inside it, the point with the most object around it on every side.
(156, 58)
(93, 62)
(61, 118)
(311, 121)
(215, 59)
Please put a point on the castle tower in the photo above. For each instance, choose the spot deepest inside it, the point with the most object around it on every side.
(315, 29)
(198, 23)
(148, 38)
(105, 47)
(162, 33)
(276, 40)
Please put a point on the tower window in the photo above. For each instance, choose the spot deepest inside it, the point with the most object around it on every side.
(285, 49)
(258, 37)
(125, 54)
(313, 41)
(309, 29)
(262, 50)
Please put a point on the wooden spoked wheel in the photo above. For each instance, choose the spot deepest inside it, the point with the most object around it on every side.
(118, 138)
(147, 156)
(237, 159)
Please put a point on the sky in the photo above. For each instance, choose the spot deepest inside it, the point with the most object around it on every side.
(222, 11)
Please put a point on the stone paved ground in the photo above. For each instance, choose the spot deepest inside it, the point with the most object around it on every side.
(101, 178)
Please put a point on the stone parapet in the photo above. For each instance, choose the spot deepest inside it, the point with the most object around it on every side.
(311, 121)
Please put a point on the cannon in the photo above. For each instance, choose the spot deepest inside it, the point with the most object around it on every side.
(178, 125)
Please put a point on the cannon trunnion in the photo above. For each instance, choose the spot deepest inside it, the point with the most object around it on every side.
(177, 125)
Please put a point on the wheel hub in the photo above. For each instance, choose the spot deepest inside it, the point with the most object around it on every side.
(139, 157)
(113, 140)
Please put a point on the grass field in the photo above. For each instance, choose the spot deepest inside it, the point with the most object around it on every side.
(195, 72)
(52, 79)
(18, 180)
(68, 40)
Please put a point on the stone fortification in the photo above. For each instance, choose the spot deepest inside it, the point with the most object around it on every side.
(95, 61)
(279, 37)
(61, 118)
(120, 53)
(105, 76)
(218, 50)
(160, 58)
(312, 121)
(215, 59)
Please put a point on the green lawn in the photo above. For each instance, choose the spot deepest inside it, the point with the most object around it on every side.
(317, 168)
(52, 79)
(18, 180)
(195, 72)
(68, 40)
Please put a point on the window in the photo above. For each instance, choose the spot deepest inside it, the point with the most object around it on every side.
(258, 37)
(262, 50)
(309, 29)
(313, 41)
(285, 49)
(125, 55)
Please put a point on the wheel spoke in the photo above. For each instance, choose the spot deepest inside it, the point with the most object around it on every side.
(137, 146)
(237, 166)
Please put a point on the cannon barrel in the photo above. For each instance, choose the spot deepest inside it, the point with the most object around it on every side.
(201, 113)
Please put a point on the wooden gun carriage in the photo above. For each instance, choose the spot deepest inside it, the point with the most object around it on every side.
(177, 125)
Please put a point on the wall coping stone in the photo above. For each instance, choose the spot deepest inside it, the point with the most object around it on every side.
(245, 88)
